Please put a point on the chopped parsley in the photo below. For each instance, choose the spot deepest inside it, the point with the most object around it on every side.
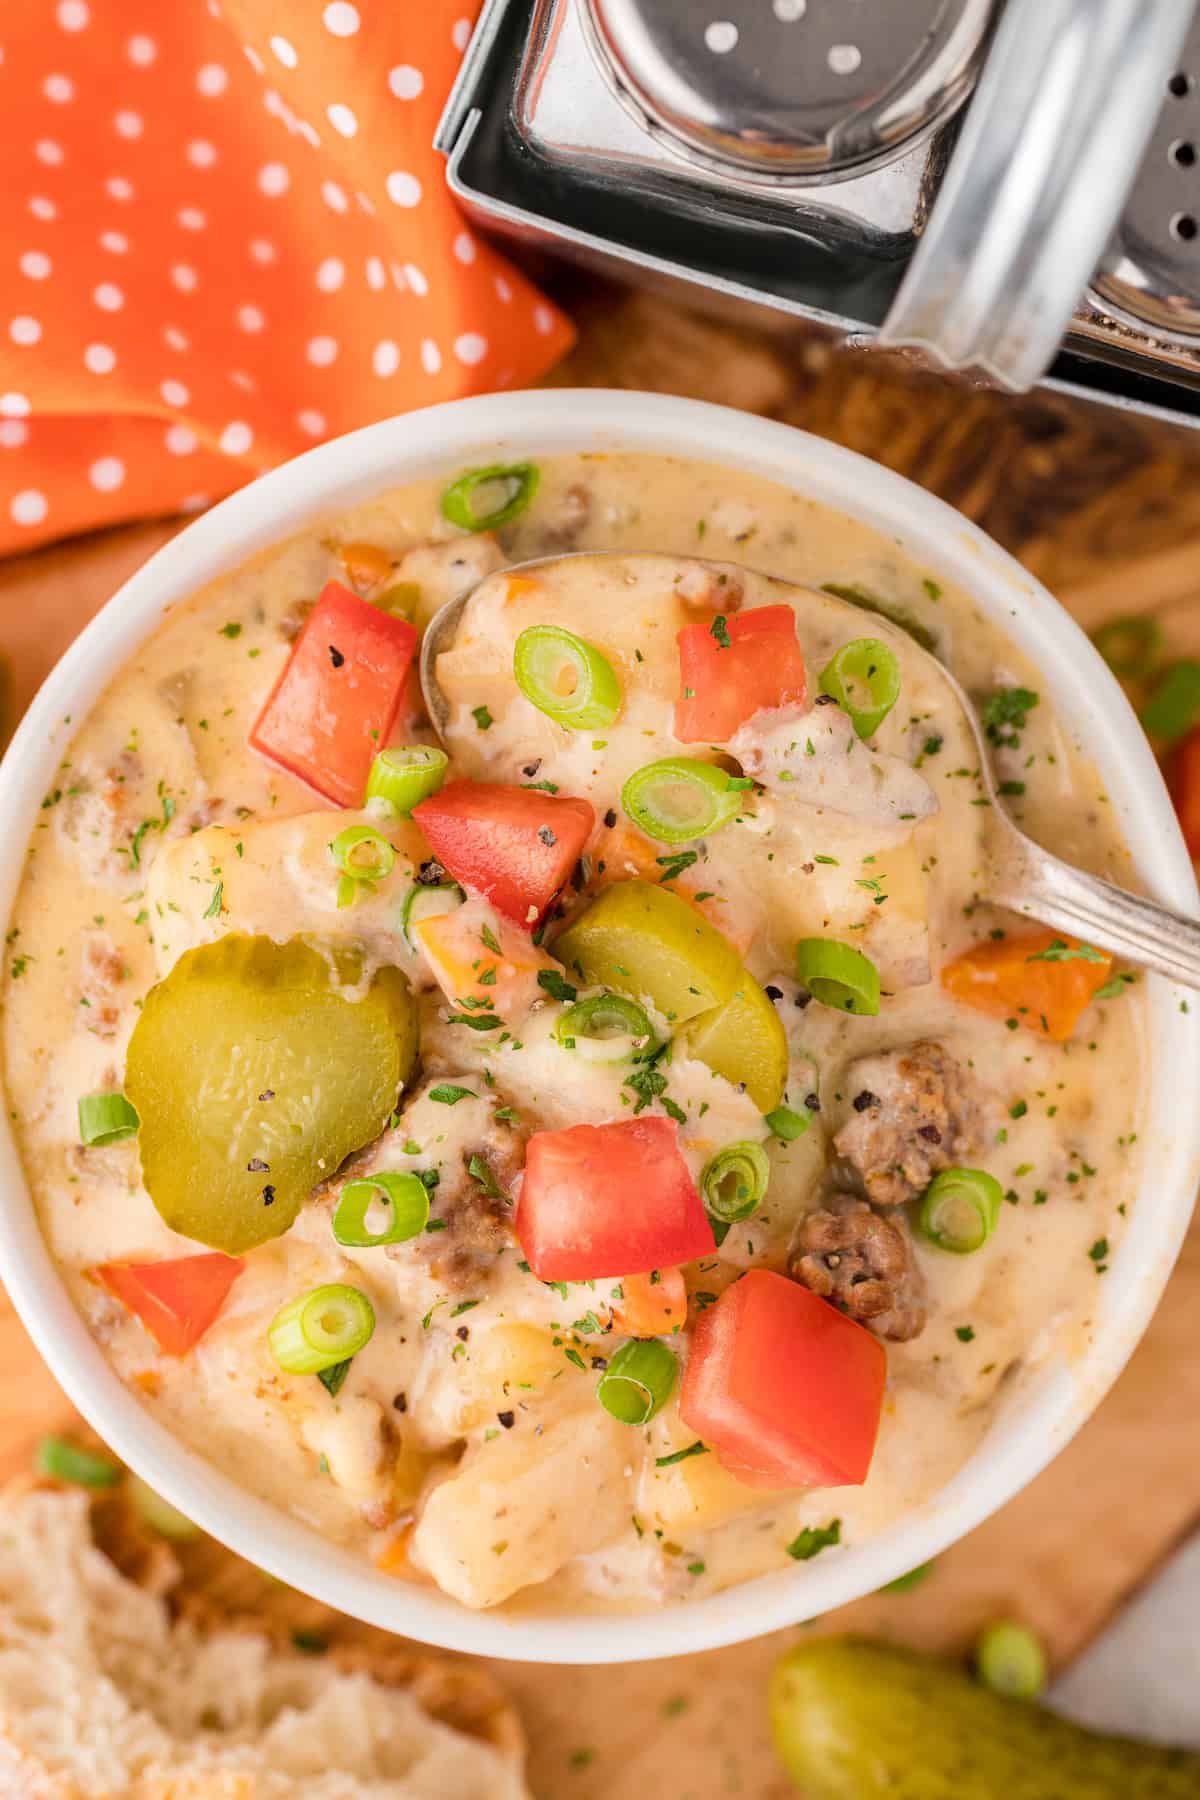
(719, 629)
(965, 1334)
(556, 985)
(332, 1379)
(1004, 714)
(213, 909)
(447, 1094)
(1060, 951)
(813, 1539)
(673, 866)
(482, 717)
(678, 1456)
(479, 1170)
(231, 631)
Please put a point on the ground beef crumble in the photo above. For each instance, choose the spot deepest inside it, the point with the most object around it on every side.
(862, 1260)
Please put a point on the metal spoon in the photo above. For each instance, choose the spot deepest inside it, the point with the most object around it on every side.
(1021, 875)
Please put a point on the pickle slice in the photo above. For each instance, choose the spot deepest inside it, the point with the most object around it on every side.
(646, 942)
(744, 1041)
(255, 1074)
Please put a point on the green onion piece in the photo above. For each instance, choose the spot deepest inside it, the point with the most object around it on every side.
(159, 1514)
(520, 480)
(320, 1328)
(681, 798)
(959, 1209)
(64, 1461)
(407, 1201)
(106, 1119)
(425, 902)
(734, 1181)
(566, 678)
(1174, 706)
(401, 599)
(864, 679)
(788, 1124)
(1131, 647)
(838, 975)
(1011, 1661)
(363, 853)
(406, 774)
(638, 1381)
(610, 1025)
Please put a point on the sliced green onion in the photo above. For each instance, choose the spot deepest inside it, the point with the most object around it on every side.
(429, 902)
(959, 1209)
(325, 1326)
(64, 1461)
(788, 1124)
(1174, 706)
(838, 975)
(363, 853)
(1011, 1661)
(639, 1381)
(519, 479)
(159, 1514)
(1131, 646)
(609, 1026)
(106, 1119)
(407, 774)
(864, 679)
(405, 1196)
(681, 798)
(566, 678)
(734, 1181)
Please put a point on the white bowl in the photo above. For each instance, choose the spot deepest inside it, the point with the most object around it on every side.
(1042, 1417)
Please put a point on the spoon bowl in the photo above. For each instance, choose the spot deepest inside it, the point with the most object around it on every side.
(1021, 875)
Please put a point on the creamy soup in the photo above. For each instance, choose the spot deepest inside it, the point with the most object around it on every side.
(726, 1154)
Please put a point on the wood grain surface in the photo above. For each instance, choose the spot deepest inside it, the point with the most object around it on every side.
(1107, 510)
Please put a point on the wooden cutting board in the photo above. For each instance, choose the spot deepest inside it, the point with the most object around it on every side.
(1105, 508)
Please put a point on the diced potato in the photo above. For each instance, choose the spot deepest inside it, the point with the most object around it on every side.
(693, 1495)
(506, 1365)
(521, 1506)
(873, 895)
(410, 1471)
(465, 968)
(281, 883)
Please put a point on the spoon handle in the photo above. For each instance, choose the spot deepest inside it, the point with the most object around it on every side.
(1070, 900)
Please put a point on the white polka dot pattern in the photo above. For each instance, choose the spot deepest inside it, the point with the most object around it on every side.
(228, 237)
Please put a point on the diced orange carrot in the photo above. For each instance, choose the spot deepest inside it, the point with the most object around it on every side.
(394, 1558)
(366, 565)
(466, 969)
(1183, 779)
(651, 1308)
(518, 585)
(1043, 979)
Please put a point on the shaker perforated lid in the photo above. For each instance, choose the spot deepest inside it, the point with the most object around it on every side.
(792, 88)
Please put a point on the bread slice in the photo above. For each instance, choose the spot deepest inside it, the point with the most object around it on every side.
(103, 1694)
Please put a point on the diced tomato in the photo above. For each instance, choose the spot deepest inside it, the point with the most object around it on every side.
(786, 1390)
(336, 701)
(176, 1300)
(650, 1307)
(1043, 980)
(609, 1200)
(723, 685)
(515, 846)
(1183, 779)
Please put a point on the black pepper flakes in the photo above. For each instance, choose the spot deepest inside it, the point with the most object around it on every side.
(335, 656)
(431, 873)
(865, 1101)
(531, 769)
(507, 1419)
(267, 1094)
(256, 1166)
(773, 993)
(546, 835)
(462, 1334)
(803, 999)
(400, 1402)
(600, 1362)
(930, 1133)
(268, 1195)
(610, 818)
(813, 1102)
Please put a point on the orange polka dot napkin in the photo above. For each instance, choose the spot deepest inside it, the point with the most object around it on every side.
(224, 236)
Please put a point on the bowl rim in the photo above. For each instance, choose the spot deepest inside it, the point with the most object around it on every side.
(1088, 700)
